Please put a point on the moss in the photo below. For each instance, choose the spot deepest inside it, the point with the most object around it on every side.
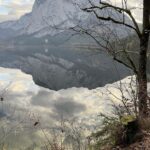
(127, 118)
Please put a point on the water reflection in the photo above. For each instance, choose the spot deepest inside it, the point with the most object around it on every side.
(35, 117)
(29, 113)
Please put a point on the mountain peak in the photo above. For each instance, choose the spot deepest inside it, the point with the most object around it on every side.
(49, 15)
(37, 3)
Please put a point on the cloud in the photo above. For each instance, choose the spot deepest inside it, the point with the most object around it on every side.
(24, 96)
(67, 107)
(14, 9)
(58, 104)
(43, 98)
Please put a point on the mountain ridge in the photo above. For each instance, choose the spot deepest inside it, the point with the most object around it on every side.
(51, 17)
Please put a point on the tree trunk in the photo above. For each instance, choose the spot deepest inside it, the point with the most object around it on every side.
(142, 73)
(142, 78)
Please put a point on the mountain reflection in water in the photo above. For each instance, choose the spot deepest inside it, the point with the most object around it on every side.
(31, 115)
(27, 109)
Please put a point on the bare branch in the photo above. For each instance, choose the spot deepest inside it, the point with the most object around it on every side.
(105, 5)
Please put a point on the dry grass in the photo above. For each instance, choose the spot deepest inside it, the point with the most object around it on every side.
(145, 124)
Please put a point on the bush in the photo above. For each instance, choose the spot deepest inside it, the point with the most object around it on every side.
(116, 131)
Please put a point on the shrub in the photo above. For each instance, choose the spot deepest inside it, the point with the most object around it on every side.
(115, 131)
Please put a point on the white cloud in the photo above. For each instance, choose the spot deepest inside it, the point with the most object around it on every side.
(14, 8)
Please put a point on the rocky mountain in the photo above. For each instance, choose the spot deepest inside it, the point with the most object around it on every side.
(52, 17)
(39, 43)
(45, 16)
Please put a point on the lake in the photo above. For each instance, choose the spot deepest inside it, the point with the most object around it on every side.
(31, 115)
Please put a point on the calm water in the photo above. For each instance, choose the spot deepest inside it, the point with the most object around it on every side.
(31, 115)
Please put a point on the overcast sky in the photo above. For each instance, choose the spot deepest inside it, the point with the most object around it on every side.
(13, 9)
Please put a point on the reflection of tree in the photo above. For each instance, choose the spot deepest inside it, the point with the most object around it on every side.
(102, 11)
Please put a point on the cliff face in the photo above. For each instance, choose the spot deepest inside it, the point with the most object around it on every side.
(45, 16)
(50, 17)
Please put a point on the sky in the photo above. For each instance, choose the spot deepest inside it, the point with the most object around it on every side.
(13, 9)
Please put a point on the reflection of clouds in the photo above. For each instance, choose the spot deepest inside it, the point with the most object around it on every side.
(59, 104)
(72, 102)
(2, 114)
(67, 107)
(28, 102)
(43, 98)
(18, 86)
(24, 94)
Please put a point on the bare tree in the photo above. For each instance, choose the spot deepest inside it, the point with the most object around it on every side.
(143, 36)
